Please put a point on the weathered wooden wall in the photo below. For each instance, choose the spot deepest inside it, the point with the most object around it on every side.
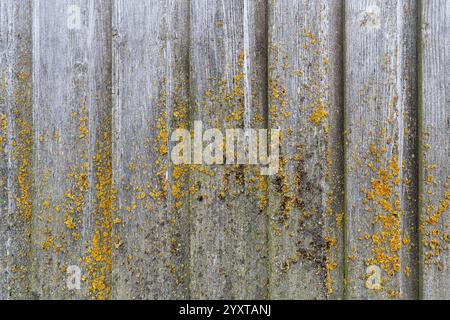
(91, 90)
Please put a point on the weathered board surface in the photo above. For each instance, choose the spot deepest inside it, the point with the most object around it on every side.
(72, 166)
(381, 162)
(228, 203)
(305, 101)
(434, 149)
(15, 148)
(92, 90)
(150, 62)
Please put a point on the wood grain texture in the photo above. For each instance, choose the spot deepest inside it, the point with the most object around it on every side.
(150, 101)
(434, 149)
(305, 101)
(72, 166)
(15, 148)
(381, 187)
(92, 90)
(228, 203)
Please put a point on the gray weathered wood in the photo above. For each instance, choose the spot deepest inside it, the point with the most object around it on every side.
(72, 166)
(305, 101)
(434, 149)
(15, 148)
(151, 241)
(381, 188)
(91, 91)
(228, 203)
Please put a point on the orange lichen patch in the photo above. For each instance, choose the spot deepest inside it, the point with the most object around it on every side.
(179, 183)
(180, 173)
(435, 217)
(140, 195)
(380, 187)
(22, 143)
(340, 219)
(318, 115)
(436, 238)
(311, 37)
(330, 265)
(227, 96)
(82, 128)
(176, 192)
(48, 243)
(263, 189)
(279, 102)
(163, 135)
(69, 222)
(99, 259)
(160, 189)
(22, 153)
(46, 204)
(3, 128)
(373, 149)
(393, 294)
(23, 76)
(75, 196)
(387, 240)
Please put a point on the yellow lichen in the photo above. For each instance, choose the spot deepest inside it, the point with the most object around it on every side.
(99, 258)
(83, 130)
(318, 115)
(75, 196)
(330, 265)
(387, 240)
(3, 127)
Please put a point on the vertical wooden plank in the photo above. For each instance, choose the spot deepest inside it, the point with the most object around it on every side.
(305, 101)
(228, 203)
(15, 148)
(72, 166)
(150, 100)
(381, 187)
(434, 149)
